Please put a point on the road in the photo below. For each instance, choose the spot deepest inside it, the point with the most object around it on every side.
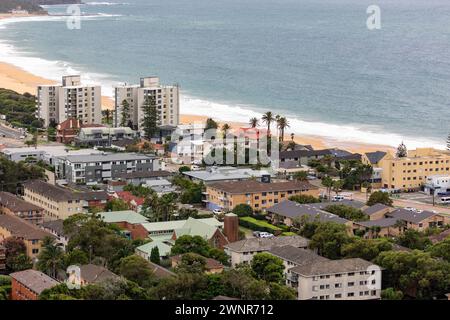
(6, 132)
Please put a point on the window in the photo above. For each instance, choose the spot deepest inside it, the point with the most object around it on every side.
(351, 284)
(338, 295)
(350, 294)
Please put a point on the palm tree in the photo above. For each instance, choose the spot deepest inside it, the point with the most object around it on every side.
(282, 124)
(268, 118)
(50, 260)
(337, 186)
(225, 129)
(327, 182)
(292, 136)
(254, 122)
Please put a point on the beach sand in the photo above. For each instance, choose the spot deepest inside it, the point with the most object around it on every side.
(14, 78)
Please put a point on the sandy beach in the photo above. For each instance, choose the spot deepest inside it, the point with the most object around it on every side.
(14, 78)
(19, 80)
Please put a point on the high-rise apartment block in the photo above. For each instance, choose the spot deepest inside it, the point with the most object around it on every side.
(57, 103)
(166, 99)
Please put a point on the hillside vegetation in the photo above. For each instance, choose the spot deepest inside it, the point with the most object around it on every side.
(19, 108)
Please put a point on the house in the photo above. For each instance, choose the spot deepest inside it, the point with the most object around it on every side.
(2, 258)
(289, 212)
(56, 228)
(384, 227)
(115, 185)
(130, 221)
(134, 203)
(104, 136)
(32, 235)
(140, 177)
(211, 265)
(377, 211)
(160, 186)
(303, 157)
(160, 272)
(243, 251)
(438, 185)
(221, 174)
(67, 130)
(99, 168)
(59, 202)
(13, 205)
(419, 220)
(345, 279)
(373, 159)
(164, 247)
(29, 284)
(258, 195)
(93, 274)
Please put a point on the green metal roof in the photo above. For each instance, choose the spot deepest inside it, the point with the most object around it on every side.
(164, 249)
(120, 216)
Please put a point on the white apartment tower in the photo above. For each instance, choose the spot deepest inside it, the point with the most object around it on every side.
(57, 103)
(166, 98)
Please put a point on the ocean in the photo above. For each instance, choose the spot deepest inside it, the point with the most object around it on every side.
(314, 61)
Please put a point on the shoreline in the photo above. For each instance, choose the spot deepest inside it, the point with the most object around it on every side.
(21, 81)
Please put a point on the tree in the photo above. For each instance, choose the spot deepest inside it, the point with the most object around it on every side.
(13, 174)
(187, 243)
(414, 239)
(76, 257)
(401, 151)
(51, 258)
(416, 273)
(191, 263)
(282, 124)
(327, 182)
(225, 128)
(391, 294)
(254, 122)
(267, 267)
(154, 255)
(116, 205)
(125, 113)
(304, 198)
(301, 176)
(150, 117)
(137, 269)
(337, 186)
(211, 124)
(379, 197)
(243, 210)
(367, 249)
(16, 257)
(328, 239)
(268, 118)
(347, 212)
(184, 169)
(441, 249)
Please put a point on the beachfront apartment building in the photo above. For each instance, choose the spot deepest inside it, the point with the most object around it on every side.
(98, 168)
(258, 195)
(166, 98)
(411, 172)
(57, 103)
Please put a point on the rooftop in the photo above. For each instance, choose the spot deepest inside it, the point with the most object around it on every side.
(332, 267)
(108, 157)
(159, 271)
(123, 216)
(375, 157)
(375, 208)
(178, 224)
(383, 223)
(293, 210)
(21, 228)
(299, 256)
(16, 204)
(92, 273)
(35, 280)
(56, 226)
(144, 174)
(225, 173)
(411, 216)
(210, 263)
(163, 247)
(252, 186)
(266, 244)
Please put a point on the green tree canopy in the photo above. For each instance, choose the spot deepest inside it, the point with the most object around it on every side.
(268, 267)
(379, 197)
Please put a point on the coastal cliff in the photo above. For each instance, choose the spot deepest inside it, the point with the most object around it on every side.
(31, 6)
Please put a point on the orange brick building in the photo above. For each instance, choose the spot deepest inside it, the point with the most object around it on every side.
(29, 284)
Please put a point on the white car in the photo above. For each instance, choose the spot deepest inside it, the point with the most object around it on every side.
(217, 211)
(265, 235)
(338, 198)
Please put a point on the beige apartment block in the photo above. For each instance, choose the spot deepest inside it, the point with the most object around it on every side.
(57, 103)
(166, 98)
(411, 172)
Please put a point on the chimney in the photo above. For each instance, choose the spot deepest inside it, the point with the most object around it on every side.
(231, 227)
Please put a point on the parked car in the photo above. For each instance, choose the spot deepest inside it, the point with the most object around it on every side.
(338, 198)
(217, 211)
(262, 234)
(195, 167)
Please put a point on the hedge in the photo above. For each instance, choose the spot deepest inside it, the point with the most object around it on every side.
(258, 225)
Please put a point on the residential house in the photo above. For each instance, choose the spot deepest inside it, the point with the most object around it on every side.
(94, 274)
(29, 284)
(303, 157)
(164, 247)
(30, 234)
(289, 212)
(160, 186)
(243, 251)
(137, 178)
(160, 272)
(373, 159)
(211, 265)
(67, 130)
(134, 203)
(221, 174)
(258, 195)
(59, 202)
(130, 221)
(377, 211)
(13, 205)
